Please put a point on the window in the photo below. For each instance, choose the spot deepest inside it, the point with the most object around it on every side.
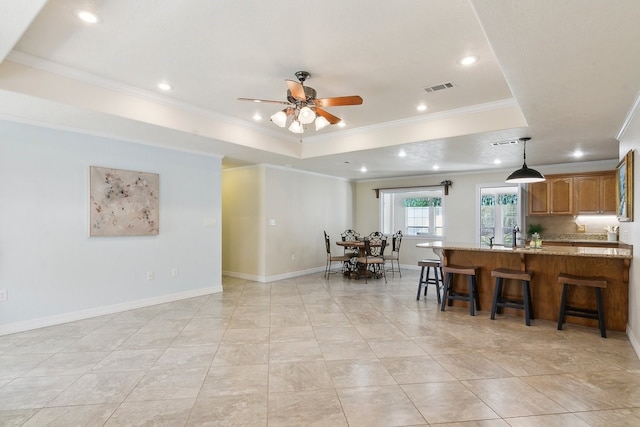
(416, 212)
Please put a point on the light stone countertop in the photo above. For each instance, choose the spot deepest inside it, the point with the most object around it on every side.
(544, 250)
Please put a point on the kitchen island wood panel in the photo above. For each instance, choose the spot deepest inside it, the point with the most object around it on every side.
(609, 263)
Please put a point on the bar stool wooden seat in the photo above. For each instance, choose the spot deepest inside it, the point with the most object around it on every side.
(449, 294)
(597, 283)
(426, 266)
(500, 300)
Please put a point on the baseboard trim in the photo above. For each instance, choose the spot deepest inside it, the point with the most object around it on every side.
(632, 339)
(275, 278)
(28, 325)
(289, 275)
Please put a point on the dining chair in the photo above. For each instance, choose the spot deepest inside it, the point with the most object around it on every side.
(348, 235)
(344, 259)
(376, 235)
(373, 261)
(396, 240)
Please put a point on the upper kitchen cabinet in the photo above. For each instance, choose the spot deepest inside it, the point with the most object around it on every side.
(596, 193)
(552, 197)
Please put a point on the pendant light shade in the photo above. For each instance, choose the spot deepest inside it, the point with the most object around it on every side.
(525, 174)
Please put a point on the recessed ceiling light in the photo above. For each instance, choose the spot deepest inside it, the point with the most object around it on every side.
(421, 107)
(257, 117)
(341, 124)
(86, 16)
(578, 153)
(468, 60)
(402, 153)
(497, 161)
(435, 167)
(164, 86)
(363, 169)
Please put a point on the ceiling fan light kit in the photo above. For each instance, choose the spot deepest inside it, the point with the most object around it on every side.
(304, 107)
(296, 127)
(525, 175)
(306, 115)
(280, 118)
(321, 123)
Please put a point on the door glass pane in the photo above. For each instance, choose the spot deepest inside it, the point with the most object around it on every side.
(499, 213)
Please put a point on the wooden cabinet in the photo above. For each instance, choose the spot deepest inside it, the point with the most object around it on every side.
(596, 193)
(552, 197)
(538, 198)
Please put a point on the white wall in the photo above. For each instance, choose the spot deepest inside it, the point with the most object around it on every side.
(243, 222)
(53, 272)
(630, 231)
(289, 211)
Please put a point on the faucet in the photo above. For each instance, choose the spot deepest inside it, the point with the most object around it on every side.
(514, 236)
(491, 241)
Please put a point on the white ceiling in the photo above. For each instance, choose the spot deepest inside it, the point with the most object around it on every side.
(564, 73)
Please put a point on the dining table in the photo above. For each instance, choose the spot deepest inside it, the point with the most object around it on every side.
(359, 244)
(357, 271)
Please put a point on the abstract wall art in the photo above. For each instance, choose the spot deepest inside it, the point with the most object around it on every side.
(123, 203)
(624, 190)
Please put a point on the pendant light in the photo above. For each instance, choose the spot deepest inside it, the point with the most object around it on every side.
(525, 174)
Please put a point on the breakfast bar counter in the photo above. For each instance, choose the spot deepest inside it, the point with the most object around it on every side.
(546, 263)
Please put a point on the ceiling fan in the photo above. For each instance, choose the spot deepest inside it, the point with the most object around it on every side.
(303, 107)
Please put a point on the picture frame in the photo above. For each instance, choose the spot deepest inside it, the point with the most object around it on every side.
(123, 203)
(624, 188)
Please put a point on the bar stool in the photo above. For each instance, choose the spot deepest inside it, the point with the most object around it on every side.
(597, 283)
(471, 296)
(500, 301)
(427, 265)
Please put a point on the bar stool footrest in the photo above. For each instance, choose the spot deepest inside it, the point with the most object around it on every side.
(581, 312)
(510, 304)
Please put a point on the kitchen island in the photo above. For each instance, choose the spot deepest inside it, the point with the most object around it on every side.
(546, 263)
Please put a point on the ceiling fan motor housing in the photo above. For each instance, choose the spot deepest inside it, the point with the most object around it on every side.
(309, 92)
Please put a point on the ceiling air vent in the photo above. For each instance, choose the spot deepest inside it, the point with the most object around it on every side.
(436, 88)
(504, 143)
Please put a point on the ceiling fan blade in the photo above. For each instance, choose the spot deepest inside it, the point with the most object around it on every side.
(296, 89)
(264, 100)
(327, 115)
(338, 101)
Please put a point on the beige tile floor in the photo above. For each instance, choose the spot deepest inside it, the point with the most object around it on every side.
(306, 351)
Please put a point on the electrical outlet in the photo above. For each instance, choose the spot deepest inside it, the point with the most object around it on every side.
(149, 275)
(293, 257)
(174, 272)
(3, 295)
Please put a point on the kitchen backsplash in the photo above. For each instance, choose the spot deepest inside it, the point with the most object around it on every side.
(575, 236)
(573, 228)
